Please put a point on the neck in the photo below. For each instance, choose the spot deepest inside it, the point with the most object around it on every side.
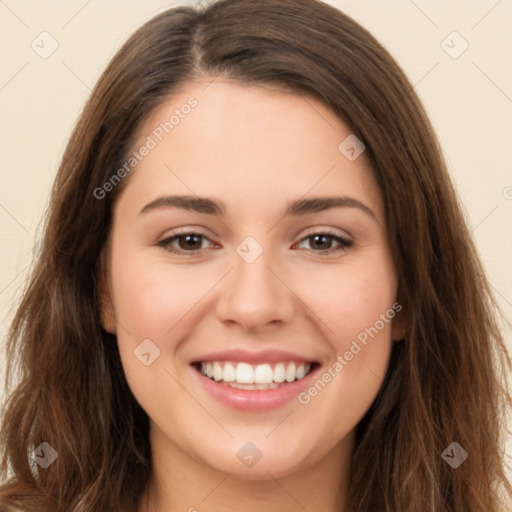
(182, 484)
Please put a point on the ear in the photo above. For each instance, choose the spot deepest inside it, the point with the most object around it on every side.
(398, 328)
(106, 307)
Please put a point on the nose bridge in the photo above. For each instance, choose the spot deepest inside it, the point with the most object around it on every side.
(254, 296)
(252, 278)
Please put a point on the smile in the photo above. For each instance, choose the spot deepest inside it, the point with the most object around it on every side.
(254, 381)
(261, 377)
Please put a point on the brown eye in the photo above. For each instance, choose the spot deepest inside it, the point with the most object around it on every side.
(184, 243)
(189, 242)
(322, 242)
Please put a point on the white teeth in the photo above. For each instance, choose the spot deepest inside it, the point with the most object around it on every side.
(263, 374)
(217, 371)
(244, 374)
(290, 372)
(260, 376)
(260, 387)
(279, 373)
(301, 371)
(229, 373)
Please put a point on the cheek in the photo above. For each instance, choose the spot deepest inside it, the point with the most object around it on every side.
(159, 301)
(354, 304)
(349, 298)
(152, 300)
(151, 297)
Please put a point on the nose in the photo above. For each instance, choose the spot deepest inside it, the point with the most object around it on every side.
(255, 295)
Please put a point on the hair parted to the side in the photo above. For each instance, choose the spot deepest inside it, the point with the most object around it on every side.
(446, 381)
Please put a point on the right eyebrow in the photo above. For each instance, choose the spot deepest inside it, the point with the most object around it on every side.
(191, 203)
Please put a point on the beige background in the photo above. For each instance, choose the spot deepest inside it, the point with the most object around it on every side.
(468, 98)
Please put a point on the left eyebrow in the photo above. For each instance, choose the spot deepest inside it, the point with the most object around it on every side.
(294, 208)
(319, 204)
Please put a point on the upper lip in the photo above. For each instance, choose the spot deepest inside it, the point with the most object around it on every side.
(260, 357)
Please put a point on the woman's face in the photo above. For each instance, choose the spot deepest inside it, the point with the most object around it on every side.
(251, 246)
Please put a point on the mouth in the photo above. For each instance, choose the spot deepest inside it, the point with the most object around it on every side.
(255, 377)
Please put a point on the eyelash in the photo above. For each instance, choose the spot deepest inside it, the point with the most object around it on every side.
(166, 243)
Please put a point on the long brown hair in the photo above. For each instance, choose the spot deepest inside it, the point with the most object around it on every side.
(446, 381)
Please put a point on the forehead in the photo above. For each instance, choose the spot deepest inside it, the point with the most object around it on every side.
(243, 143)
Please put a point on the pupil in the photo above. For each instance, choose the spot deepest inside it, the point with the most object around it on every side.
(320, 237)
(189, 240)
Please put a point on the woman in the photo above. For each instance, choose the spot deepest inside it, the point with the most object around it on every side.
(256, 287)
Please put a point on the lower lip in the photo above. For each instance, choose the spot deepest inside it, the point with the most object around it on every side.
(255, 400)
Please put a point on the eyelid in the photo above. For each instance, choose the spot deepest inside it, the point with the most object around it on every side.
(328, 230)
(188, 230)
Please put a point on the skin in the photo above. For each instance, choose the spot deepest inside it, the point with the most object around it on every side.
(255, 149)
